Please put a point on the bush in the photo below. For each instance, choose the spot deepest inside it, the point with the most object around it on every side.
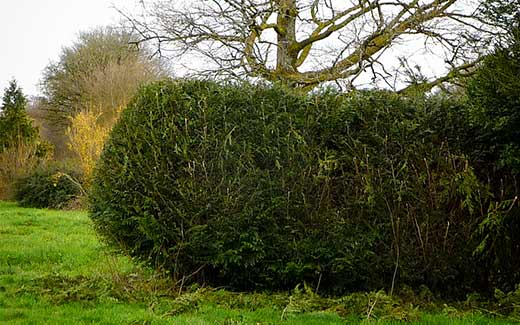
(16, 162)
(253, 187)
(49, 186)
(86, 138)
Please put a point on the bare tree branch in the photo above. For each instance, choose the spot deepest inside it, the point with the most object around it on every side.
(304, 43)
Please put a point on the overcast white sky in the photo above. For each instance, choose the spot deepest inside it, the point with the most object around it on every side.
(33, 32)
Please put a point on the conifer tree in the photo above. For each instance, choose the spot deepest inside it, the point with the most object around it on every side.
(15, 125)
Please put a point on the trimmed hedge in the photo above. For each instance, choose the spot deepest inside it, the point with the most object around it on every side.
(262, 188)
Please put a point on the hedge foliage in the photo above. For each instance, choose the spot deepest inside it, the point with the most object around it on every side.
(262, 188)
(494, 96)
(493, 145)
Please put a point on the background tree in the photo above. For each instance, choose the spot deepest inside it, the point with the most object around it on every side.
(20, 147)
(500, 13)
(494, 93)
(99, 73)
(494, 98)
(15, 125)
(304, 43)
(492, 143)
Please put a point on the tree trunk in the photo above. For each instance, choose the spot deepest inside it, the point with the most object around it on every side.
(286, 21)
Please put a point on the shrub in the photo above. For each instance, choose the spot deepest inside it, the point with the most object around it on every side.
(49, 186)
(86, 138)
(19, 161)
(254, 187)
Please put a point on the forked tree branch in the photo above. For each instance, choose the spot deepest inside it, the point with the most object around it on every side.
(304, 43)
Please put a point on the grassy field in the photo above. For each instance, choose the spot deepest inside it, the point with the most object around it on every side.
(54, 270)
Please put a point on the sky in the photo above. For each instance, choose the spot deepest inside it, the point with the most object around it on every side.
(33, 33)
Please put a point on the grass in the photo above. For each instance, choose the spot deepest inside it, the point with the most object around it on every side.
(53, 269)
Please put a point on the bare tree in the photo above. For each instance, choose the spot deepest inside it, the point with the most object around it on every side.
(304, 43)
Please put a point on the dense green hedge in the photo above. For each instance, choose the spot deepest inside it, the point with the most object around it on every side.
(253, 187)
(50, 185)
(493, 146)
(494, 97)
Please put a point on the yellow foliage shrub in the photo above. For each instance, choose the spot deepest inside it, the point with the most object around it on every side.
(86, 137)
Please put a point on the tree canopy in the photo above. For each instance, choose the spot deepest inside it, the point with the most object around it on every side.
(304, 43)
(100, 71)
(494, 93)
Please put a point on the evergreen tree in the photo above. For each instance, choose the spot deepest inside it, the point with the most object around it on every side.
(494, 98)
(15, 125)
(494, 94)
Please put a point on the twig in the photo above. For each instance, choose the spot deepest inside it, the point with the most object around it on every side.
(184, 278)
(319, 282)
(285, 309)
(371, 309)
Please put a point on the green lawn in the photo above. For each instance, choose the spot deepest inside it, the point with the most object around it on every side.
(53, 269)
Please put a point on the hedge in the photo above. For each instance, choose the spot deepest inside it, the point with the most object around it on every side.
(264, 188)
